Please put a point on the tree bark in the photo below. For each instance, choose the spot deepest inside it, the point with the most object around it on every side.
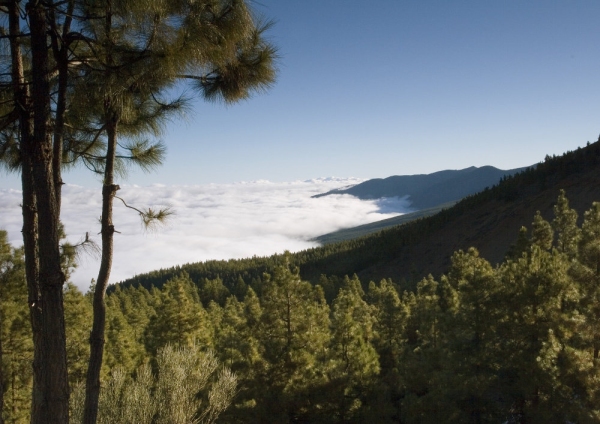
(51, 402)
(30, 219)
(60, 47)
(92, 392)
(109, 188)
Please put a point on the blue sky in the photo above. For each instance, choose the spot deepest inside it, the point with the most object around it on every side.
(392, 87)
(365, 90)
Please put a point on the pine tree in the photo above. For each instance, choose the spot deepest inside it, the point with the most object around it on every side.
(534, 333)
(15, 336)
(123, 347)
(520, 246)
(133, 302)
(469, 331)
(180, 318)
(391, 315)
(236, 344)
(213, 290)
(356, 361)
(240, 288)
(565, 225)
(232, 335)
(541, 232)
(423, 353)
(586, 271)
(78, 318)
(31, 87)
(390, 322)
(294, 332)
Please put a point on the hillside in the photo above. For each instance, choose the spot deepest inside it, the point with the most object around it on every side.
(428, 190)
(489, 221)
(373, 227)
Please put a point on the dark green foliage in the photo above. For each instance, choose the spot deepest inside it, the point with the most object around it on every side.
(470, 333)
(518, 342)
(541, 232)
(294, 333)
(16, 347)
(78, 318)
(123, 346)
(215, 291)
(355, 362)
(565, 225)
(180, 319)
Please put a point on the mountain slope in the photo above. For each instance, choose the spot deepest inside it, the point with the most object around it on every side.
(489, 221)
(428, 190)
(373, 227)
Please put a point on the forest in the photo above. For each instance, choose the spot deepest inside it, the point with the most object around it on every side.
(489, 219)
(94, 84)
(517, 342)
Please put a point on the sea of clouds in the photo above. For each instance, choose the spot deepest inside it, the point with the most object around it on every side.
(213, 221)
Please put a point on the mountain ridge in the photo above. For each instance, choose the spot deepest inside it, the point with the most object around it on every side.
(489, 221)
(428, 190)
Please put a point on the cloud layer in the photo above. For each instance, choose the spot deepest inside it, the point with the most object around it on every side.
(215, 221)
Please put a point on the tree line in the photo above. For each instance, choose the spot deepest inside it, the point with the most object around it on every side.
(518, 342)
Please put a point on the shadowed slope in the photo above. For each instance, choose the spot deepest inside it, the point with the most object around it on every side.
(489, 221)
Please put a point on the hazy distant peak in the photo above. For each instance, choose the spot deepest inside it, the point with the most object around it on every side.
(428, 190)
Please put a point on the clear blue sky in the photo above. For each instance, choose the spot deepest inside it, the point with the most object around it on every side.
(391, 87)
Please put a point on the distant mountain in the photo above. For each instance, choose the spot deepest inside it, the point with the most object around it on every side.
(429, 190)
(489, 220)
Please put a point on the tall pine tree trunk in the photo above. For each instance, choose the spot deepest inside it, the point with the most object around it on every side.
(109, 188)
(51, 399)
(29, 210)
(60, 47)
(92, 392)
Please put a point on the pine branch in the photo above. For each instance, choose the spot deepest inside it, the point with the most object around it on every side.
(85, 246)
(151, 218)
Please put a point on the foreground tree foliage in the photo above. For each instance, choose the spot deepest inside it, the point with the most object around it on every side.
(85, 82)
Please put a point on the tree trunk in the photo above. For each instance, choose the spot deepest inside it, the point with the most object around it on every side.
(60, 47)
(92, 390)
(30, 223)
(51, 401)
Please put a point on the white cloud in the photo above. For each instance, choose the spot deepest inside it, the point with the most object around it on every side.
(214, 221)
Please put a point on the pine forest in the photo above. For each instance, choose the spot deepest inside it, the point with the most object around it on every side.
(487, 311)
(518, 342)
